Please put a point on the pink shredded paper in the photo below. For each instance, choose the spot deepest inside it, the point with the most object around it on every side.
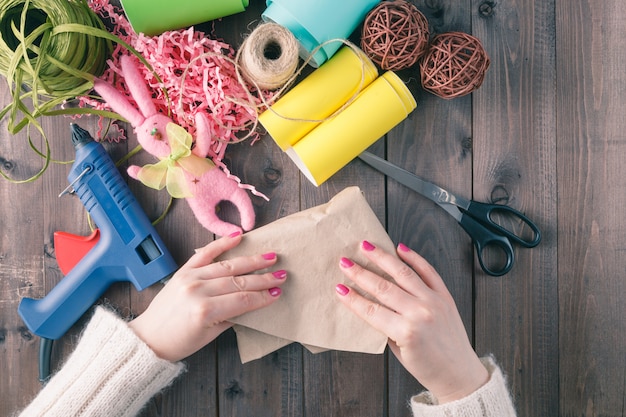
(199, 75)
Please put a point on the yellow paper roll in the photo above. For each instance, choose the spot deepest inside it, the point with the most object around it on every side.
(318, 96)
(331, 145)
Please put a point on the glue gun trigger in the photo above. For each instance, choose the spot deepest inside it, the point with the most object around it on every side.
(70, 248)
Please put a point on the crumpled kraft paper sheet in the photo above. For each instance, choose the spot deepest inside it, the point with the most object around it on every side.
(309, 245)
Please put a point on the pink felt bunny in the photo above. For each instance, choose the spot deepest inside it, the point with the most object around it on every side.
(208, 186)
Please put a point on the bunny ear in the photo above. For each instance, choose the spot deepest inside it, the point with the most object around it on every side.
(203, 135)
(137, 86)
(118, 102)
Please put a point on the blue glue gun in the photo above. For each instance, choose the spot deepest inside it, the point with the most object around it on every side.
(125, 248)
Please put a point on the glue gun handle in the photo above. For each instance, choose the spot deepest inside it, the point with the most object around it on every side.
(51, 316)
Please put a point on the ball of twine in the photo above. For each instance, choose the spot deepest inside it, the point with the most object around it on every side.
(395, 35)
(454, 66)
(268, 57)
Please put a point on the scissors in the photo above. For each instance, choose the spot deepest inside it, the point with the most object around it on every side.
(477, 219)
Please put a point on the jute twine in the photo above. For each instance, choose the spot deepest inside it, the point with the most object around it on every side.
(395, 35)
(454, 66)
(269, 56)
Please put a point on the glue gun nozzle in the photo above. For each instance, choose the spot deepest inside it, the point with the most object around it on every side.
(80, 136)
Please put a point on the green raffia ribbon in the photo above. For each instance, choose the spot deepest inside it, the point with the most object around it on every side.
(50, 52)
(169, 172)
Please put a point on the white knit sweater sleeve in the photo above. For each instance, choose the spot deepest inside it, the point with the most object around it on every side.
(110, 373)
(490, 400)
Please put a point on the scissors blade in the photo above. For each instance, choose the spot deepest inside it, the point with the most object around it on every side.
(429, 190)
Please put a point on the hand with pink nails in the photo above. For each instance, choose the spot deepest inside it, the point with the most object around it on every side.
(195, 305)
(419, 316)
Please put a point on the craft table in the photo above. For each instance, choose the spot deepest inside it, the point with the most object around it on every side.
(544, 134)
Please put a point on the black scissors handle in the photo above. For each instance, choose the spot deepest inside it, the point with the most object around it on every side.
(485, 238)
(484, 214)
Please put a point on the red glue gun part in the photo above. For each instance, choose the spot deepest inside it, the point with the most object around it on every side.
(70, 249)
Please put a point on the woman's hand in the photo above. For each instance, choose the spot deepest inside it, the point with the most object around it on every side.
(420, 318)
(195, 305)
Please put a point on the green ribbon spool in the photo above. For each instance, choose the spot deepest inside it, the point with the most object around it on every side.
(50, 52)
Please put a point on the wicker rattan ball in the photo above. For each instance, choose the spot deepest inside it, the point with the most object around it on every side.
(395, 35)
(454, 66)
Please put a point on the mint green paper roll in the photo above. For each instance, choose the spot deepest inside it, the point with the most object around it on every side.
(153, 17)
(314, 22)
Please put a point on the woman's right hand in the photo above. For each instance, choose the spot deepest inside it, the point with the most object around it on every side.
(419, 316)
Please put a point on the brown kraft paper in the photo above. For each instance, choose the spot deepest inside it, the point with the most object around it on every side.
(309, 245)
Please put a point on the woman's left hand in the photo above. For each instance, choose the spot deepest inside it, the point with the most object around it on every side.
(195, 305)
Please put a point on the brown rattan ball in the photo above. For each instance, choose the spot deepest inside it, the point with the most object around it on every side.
(454, 66)
(395, 35)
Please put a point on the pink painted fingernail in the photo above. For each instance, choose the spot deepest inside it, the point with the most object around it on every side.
(282, 274)
(368, 246)
(235, 234)
(269, 256)
(346, 263)
(403, 247)
(342, 289)
(275, 292)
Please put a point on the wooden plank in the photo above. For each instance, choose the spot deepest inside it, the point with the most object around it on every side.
(591, 45)
(21, 265)
(440, 155)
(344, 383)
(271, 385)
(435, 144)
(215, 374)
(194, 394)
(514, 164)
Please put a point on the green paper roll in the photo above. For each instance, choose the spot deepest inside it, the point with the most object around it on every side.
(153, 17)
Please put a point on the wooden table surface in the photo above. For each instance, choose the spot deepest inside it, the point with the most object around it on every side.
(544, 134)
